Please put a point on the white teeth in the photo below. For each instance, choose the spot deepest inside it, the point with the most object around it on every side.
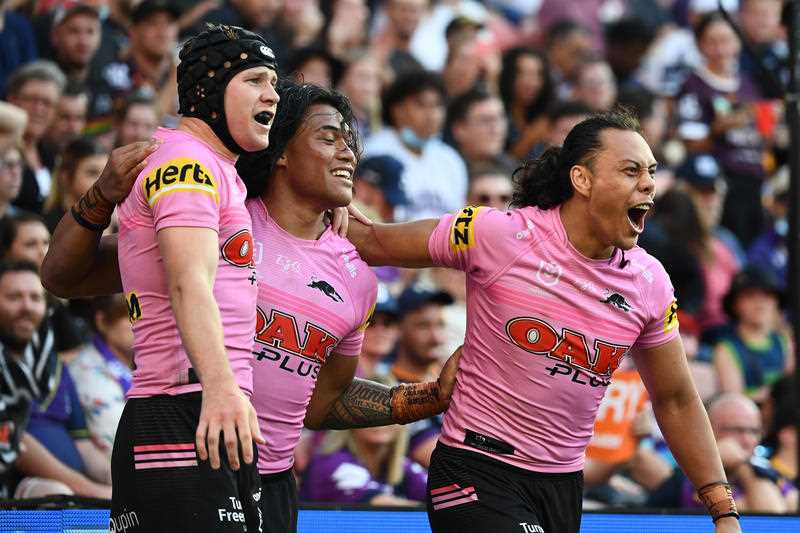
(342, 174)
(644, 206)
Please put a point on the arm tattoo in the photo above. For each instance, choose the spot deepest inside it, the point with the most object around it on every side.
(363, 404)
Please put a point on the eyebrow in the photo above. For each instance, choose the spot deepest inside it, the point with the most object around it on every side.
(638, 164)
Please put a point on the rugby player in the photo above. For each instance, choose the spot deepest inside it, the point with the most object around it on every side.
(186, 266)
(315, 295)
(557, 294)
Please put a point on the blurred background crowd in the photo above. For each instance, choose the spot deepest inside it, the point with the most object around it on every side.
(451, 96)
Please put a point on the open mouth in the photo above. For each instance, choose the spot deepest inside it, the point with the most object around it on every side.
(637, 215)
(264, 118)
(345, 173)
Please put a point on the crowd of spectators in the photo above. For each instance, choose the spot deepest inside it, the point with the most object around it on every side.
(451, 96)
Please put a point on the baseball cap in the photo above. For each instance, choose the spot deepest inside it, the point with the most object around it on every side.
(386, 173)
(145, 9)
(700, 171)
(70, 9)
(412, 299)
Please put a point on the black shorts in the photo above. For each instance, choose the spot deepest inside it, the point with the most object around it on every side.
(279, 502)
(160, 486)
(469, 491)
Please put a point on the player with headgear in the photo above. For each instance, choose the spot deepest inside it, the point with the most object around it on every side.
(186, 267)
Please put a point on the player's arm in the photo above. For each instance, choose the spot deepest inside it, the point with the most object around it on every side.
(341, 401)
(403, 245)
(684, 423)
(190, 259)
(79, 262)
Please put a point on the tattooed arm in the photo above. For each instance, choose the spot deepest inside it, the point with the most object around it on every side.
(342, 401)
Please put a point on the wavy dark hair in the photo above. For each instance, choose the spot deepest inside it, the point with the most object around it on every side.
(256, 168)
(544, 182)
(508, 77)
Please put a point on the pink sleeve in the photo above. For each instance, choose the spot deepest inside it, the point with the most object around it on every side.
(663, 324)
(351, 344)
(184, 191)
(478, 240)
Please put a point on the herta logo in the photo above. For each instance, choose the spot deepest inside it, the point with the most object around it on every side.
(280, 331)
(238, 249)
(326, 289)
(134, 308)
(540, 338)
(617, 300)
(181, 174)
(462, 237)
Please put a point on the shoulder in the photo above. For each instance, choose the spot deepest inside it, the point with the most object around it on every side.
(356, 273)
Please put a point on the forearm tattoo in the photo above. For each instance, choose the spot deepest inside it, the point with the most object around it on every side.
(363, 404)
(93, 210)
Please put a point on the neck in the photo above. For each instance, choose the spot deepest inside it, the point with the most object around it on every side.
(579, 233)
(753, 331)
(201, 130)
(293, 212)
(373, 456)
(410, 364)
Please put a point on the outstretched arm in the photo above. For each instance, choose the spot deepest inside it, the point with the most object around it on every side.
(683, 420)
(341, 401)
(79, 262)
(403, 245)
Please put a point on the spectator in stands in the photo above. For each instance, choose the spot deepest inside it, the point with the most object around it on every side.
(25, 238)
(699, 357)
(716, 115)
(595, 85)
(760, 22)
(393, 42)
(653, 113)
(381, 335)
(102, 370)
(75, 37)
(737, 427)
(70, 117)
(36, 88)
(627, 41)
(434, 177)
(314, 65)
(367, 465)
(17, 42)
(470, 62)
(29, 368)
(782, 434)
(345, 30)
(769, 250)
(478, 126)
(562, 117)
(418, 354)
(490, 185)
(755, 353)
(79, 166)
(361, 83)
(10, 178)
(137, 120)
(148, 63)
(13, 122)
(527, 92)
(569, 44)
(378, 185)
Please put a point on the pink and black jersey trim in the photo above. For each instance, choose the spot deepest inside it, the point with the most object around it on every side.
(151, 456)
(451, 496)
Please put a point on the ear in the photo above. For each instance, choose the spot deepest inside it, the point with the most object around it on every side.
(581, 178)
(282, 161)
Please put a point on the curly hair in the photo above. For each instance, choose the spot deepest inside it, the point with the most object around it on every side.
(257, 168)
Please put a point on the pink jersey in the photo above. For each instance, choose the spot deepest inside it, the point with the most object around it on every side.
(314, 300)
(185, 184)
(546, 328)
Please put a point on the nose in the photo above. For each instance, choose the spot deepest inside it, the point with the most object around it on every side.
(647, 184)
(345, 153)
(270, 95)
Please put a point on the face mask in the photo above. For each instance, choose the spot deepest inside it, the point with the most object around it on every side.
(412, 140)
(782, 227)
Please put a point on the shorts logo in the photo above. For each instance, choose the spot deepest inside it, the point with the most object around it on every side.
(134, 307)
(671, 316)
(549, 273)
(123, 522)
(238, 249)
(531, 528)
(181, 174)
(462, 236)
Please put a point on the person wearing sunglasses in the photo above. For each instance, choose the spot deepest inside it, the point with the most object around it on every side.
(491, 186)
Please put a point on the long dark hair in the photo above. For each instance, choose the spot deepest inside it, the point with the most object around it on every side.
(508, 77)
(256, 168)
(544, 182)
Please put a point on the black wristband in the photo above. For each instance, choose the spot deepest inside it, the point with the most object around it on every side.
(98, 228)
(733, 514)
